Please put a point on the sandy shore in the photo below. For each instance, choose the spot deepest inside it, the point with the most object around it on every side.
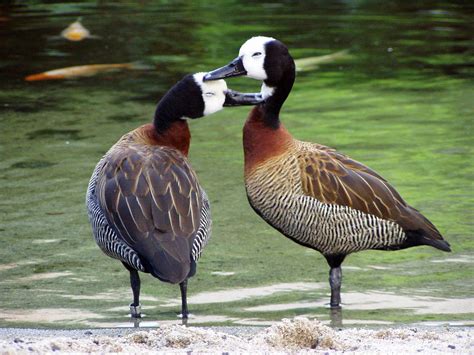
(288, 336)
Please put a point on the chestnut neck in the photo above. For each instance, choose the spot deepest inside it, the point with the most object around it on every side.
(261, 141)
(176, 136)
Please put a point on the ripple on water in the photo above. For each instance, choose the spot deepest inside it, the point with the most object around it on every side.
(383, 300)
(45, 241)
(4, 267)
(48, 315)
(52, 133)
(113, 295)
(40, 276)
(223, 273)
(122, 118)
(459, 259)
(238, 294)
(32, 164)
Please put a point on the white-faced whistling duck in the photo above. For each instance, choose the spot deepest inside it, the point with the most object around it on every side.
(145, 204)
(314, 195)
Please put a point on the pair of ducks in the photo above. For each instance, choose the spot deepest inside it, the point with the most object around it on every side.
(147, 209)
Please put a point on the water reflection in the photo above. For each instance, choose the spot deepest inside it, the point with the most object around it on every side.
(376, 300)
(313, 310)
(335, 315)
(239, 294)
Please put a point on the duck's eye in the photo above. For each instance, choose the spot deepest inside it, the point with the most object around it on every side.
(209, 94)
(257, 54)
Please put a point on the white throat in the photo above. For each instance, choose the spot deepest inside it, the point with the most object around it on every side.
(266, 91)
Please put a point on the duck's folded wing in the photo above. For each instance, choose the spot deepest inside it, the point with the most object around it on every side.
(334, 178)
(152, 198)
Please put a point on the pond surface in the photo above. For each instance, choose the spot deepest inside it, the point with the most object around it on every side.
(401, 102)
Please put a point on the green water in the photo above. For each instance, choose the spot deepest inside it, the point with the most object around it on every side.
(402, 104)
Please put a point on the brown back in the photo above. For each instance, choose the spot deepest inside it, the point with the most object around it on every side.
(152, 197)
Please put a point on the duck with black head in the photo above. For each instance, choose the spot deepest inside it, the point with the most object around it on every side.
(312, 194)
(144, 201)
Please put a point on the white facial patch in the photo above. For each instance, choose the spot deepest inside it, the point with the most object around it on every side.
(213, 93)
(252, 53)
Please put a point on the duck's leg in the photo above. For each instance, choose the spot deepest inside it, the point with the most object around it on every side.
(184, 301)
(335, 278)
(135, 308)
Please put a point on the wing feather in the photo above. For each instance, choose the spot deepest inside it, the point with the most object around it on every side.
(334, 178)
(150, 195)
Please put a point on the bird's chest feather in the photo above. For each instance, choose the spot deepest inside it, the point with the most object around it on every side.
(271, 167)
(273, 185)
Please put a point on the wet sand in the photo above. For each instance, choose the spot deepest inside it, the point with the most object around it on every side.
(288, 336)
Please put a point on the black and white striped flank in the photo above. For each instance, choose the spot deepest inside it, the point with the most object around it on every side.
(105, 236)
(204, 232)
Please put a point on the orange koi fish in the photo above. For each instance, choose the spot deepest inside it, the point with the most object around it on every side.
(83, 70)
(76, 31)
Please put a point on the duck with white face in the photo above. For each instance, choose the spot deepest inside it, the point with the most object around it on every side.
(192, 97)
(144, 201)
(312, 194)
(266, 59)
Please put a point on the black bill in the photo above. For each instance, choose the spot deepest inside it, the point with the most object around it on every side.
(234, 68)
(234, 98)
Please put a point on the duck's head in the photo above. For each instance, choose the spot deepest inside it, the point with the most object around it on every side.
(261, 58)
(192, 97)
(267, 59)
(216, 95)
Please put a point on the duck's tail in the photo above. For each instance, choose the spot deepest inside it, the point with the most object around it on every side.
(420, 237)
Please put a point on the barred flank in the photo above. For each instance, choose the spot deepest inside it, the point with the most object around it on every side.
(274, 190)
(105, 236)
(204, 232)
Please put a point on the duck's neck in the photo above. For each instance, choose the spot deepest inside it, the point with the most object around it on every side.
(276, 93)
(261, 141)
(264, 135)
(169, 128)
(177, 136)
